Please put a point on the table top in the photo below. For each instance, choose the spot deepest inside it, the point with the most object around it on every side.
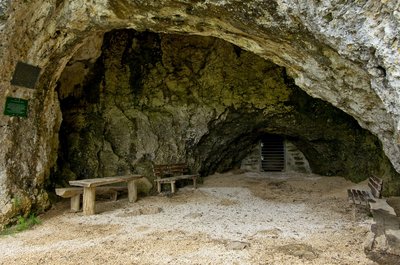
(103, 181)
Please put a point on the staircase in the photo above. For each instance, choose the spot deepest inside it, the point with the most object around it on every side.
(272, 153)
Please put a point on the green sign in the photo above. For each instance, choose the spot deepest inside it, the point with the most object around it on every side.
(16, 107)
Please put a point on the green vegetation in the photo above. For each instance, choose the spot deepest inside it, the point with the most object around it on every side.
(17, 202)
(23, 223)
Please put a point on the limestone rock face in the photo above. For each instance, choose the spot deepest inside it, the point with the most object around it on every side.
(344, 52)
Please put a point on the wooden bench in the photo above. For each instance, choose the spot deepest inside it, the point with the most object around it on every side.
(171, 173)
(75, 194)
(362, 197)
(89, 189)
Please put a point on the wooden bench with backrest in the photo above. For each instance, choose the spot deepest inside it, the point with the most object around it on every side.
(170, 173)
(362, 197)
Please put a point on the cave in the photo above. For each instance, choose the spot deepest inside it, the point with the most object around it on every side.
(133, 99)
(125, 84)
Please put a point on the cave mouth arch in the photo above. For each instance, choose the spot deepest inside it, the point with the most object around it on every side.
(143, 98)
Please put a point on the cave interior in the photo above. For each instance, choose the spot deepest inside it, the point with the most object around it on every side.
(132, 99)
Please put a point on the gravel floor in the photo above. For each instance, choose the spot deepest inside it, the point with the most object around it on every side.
(233, 218)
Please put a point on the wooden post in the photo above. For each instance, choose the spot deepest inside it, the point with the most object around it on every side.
(132, 191)
(75, 203)
(89, 199)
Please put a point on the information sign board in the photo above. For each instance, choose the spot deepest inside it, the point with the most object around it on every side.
(16, 107)
(25, 75)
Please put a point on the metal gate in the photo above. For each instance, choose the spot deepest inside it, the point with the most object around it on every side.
(272, 153)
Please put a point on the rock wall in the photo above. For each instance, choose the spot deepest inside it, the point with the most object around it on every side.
(252, 162)
(156, 98)
(345, 52)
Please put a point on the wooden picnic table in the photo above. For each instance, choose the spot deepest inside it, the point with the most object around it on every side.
(89, 189)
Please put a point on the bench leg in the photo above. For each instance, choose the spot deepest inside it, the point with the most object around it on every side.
(89, 199)
(158, 187)
(354, 210)
(132, 191)
(172, 186)
(75, 203)
(114, 195)
(194, 183)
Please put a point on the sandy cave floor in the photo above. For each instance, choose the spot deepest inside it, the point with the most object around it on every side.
(233, 218)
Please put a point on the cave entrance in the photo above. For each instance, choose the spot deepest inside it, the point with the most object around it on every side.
(272, 153)
(143, 98)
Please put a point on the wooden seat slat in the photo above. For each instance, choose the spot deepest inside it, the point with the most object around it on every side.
(367, 196)
(377, 180)
(72, 191)
(167, 170)
(350, 195)
(175, 178)
(356, 196)
(69, 192)
(373, 190)
(375, 186)
(363, 197)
